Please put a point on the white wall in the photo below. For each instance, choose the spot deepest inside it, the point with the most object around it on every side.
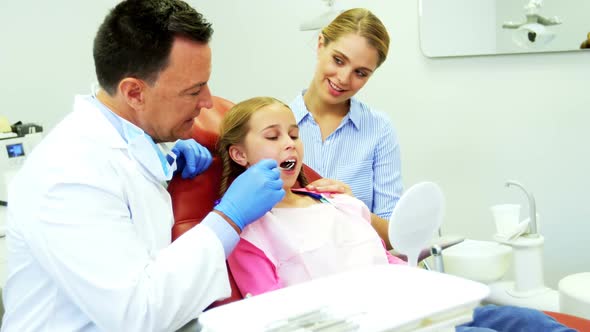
(46, 56)
(468, 123)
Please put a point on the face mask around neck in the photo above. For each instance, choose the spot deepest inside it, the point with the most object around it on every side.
(143, 149)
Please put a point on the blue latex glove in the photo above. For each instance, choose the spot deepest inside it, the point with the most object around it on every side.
(253, 193)
(192, 158)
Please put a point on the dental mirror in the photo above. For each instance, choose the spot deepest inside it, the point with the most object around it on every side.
(416, 219)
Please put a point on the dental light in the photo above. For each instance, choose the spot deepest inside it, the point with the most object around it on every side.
(533, 32)
(318, 22)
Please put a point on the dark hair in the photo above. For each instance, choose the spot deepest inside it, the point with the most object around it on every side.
(136, 38)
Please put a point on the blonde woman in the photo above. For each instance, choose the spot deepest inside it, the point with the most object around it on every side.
(344, 138)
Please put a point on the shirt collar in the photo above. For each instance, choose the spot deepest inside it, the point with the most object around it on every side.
(299, 109)
(301, 112)
(355, 112)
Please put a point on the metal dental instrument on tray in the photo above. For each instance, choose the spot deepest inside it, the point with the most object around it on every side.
(316, 320)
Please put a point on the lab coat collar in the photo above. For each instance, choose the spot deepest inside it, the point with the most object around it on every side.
(109, 129)
(100, 126)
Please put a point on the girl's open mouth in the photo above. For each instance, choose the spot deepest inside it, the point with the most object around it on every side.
(288, 165)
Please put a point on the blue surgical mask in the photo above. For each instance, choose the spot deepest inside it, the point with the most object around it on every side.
(143, 149)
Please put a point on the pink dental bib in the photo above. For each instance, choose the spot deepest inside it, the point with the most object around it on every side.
(323, 239)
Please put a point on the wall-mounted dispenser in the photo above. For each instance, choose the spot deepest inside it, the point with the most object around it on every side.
(532, 33)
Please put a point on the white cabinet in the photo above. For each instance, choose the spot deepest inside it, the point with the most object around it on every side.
(3, 273)
(2, 247)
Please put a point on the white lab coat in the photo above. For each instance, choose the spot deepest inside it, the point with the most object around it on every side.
(88, 237)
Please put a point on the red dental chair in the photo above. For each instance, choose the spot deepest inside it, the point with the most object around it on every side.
(193, 199)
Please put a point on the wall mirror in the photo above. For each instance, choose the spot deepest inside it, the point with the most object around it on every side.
(478, 27)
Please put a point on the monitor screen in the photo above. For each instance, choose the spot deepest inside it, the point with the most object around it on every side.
(15, 150)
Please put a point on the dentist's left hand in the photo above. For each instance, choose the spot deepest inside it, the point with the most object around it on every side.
(192, 158)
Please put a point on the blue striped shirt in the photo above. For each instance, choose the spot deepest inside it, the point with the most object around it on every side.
(363, 152)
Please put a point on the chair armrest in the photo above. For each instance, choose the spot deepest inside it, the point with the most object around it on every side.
(427, 252)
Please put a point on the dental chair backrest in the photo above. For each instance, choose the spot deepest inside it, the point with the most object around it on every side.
(193, 199)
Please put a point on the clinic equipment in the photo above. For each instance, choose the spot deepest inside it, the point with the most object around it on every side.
(532, 33)
(415, 220)
(532, 208)
(483, 261)
(387, 297)
(319, 22)
(519, 243)
(528, 287)
(574, 294)
(15, 146)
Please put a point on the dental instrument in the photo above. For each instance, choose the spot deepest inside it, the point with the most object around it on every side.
(287, 165)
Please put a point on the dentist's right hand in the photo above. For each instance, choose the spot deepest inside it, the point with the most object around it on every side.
(253, 193)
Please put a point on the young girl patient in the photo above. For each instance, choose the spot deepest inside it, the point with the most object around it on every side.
(304, 236)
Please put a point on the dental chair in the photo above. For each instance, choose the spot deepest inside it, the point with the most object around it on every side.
(574, 322)
(193, 199)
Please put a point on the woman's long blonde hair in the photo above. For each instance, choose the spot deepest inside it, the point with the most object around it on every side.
(233, 131)
(364, 23)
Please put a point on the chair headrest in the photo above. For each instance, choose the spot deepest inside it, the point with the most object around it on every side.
(206, 127)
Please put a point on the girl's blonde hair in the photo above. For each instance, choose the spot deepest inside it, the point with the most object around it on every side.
(364, 23)
(234, 128)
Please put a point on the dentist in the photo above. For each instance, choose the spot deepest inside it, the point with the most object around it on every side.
(89, 217)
